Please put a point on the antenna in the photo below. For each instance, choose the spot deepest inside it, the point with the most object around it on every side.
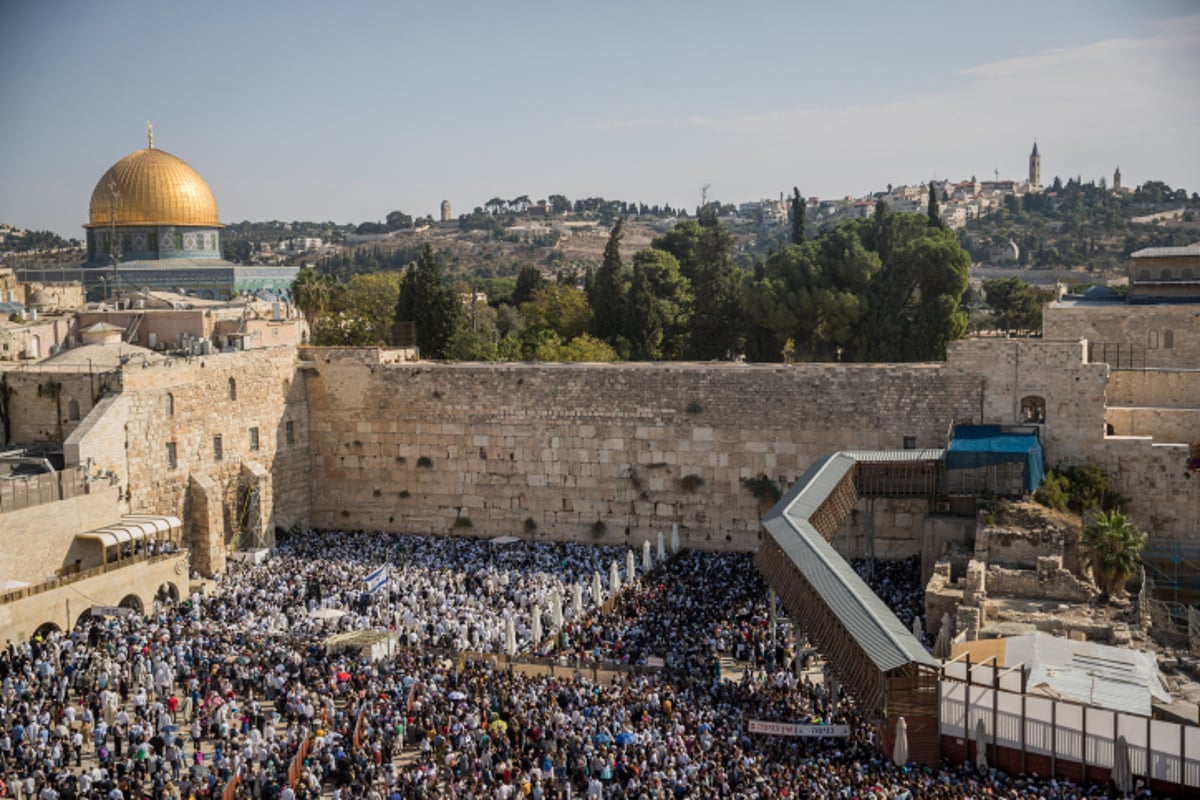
(704, 195)
(997, 172)
(114, 244)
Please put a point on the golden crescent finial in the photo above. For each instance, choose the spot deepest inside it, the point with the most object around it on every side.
(150, 133)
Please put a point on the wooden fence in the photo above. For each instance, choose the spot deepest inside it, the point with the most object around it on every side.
(47, 487)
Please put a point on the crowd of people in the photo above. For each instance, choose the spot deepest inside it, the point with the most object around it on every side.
(234, 686)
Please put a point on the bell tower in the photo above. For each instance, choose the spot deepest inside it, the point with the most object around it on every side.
(1035, 167)
(1117, 181)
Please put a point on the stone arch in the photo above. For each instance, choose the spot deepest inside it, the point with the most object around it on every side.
(1168, 339)
(45, 629)
(73, 410)
(1165, 275)
(83, 617)
(35, 346)
(168, 592)
(1144, 274)
(170, 404)
(1033, 409)
(1188, 274)
(132, 602)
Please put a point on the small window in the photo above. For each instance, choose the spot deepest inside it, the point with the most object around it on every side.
(218, 448)
(290, 432)
(910, 443)
(232, 389)
(172, 460)
(1168, 339)
(73, 411)
(1033, 409)
(1152, 340)
(170, 404)
(254, 438)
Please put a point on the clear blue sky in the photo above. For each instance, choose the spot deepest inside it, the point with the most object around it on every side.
(346, 111)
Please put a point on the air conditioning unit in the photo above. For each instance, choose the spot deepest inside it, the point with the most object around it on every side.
(941, 506)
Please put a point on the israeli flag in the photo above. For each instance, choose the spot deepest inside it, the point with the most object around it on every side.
(377, 580)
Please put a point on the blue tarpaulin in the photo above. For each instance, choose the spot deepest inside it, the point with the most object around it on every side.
(986, 445)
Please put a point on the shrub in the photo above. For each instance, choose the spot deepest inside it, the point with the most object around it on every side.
(1081, 488)
(425, 462)
(691, 483)
(765, 490)
(530, 525)
(599, 528)
(694, 407)
(463, 522)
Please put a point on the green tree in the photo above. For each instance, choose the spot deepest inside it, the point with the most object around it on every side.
(586, 348)
(559, 204)
(361, 312)
(559, 308)
(798, 211)
(398, 220)
(717, 329)
(1015, 305)
(529, 280)
(427, 301)
(311, 293)
(1113, 549)
(660, 307)
(609, 288)
(935, 214)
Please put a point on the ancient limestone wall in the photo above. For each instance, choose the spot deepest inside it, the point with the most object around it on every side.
(1157, 388)
(1164, 425)
(40, 540)
(100, 441)
(597, 452)
(1163, 497)
(190, 402)
(1056, 372)
(47, 405)
(1150, 329)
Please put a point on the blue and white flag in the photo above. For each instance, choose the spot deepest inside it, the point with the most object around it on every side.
(377, 580)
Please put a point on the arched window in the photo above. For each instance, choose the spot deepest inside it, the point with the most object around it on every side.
(1165, 274)
(1168, 339)
(1144, 274)
(170, 404)
(1152, 340)
(232, 389)
(73, 410)
(1187, 274)
(1033, 409)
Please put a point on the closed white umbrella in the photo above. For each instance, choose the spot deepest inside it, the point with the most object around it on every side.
(537, 626)
(646, 562)
(662, 550)
(614, 577)
(630, 567)
(556, 615)
(597, 594)
(675, 538)
(941, 647)
(917, 627)
(1122, 772)
(900, 747)
(510, 644)
(576, 600)
(981, 763)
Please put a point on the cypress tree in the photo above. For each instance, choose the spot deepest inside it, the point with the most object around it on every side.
(935, 214)
(799, 209)
(608, 290)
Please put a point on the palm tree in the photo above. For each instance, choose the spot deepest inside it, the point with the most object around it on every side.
(311, 293)
(1114, 548)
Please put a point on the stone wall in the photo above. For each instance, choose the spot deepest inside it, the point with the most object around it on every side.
(40, 540)
(1158, 388)
(63, 605)
(897, 527)
(611, 452)
(1145, 327)
(46, 405)
(1164, 425)
(189, 403)
(1056, 372)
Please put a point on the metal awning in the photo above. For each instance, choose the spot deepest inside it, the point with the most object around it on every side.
(134, 528)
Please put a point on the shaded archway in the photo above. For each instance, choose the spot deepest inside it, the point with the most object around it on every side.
(133, 603)
(167, 593)
(44, 630)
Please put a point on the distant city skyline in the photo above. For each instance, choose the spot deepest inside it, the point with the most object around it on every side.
(307, 111)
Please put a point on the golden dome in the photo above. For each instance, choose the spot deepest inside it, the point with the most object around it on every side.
(153, 188)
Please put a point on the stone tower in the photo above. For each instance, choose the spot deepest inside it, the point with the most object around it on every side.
(1117, 180)
(445, 211)
(1035, 167)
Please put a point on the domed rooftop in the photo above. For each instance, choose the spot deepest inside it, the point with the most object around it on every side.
(152, 187)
